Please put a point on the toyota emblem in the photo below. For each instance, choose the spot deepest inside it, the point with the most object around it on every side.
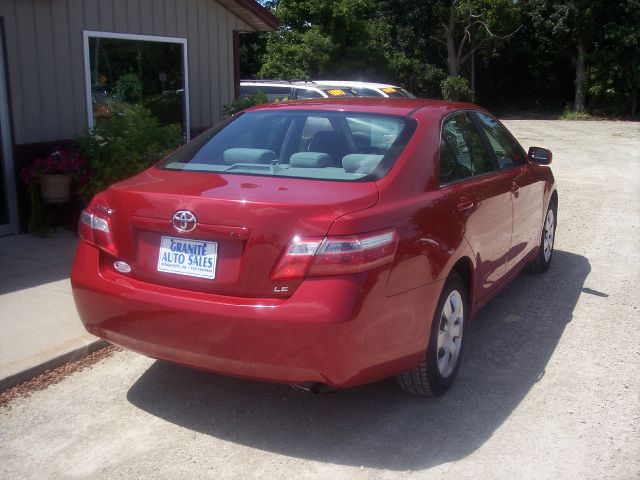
(184, 221)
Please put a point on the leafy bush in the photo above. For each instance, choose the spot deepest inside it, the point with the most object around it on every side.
(167, 107)
(124, 145)
(129, 88)
(569, 114)
(240, 104)
(456, 89)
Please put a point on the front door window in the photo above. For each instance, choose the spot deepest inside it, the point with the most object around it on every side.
(508, 152)
(462, 152)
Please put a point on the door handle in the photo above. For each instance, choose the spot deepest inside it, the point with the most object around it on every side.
(464, 204)
(515, 189)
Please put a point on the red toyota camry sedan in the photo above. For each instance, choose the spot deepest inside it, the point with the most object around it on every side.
(323, 243)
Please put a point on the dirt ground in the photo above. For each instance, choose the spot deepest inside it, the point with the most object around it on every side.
(549, 388)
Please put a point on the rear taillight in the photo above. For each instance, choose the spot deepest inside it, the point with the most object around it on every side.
(310, 257)
(96, 230)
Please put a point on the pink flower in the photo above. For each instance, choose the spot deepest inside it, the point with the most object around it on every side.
(62, 160)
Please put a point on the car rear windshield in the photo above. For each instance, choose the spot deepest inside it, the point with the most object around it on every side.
(302, 144)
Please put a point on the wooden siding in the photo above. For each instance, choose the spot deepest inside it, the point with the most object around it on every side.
(45, 56)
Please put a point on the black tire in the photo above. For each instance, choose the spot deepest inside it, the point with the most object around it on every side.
(542, 261)
(427, 379)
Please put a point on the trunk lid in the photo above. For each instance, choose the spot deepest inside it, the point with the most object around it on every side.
(250, 219)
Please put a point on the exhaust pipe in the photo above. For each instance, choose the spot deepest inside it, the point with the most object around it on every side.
(316, 388)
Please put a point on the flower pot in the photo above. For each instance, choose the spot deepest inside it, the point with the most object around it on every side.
(55, 188)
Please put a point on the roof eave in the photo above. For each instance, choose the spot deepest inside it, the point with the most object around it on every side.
(252, 13)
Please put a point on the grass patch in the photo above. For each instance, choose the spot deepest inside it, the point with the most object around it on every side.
(569, 114)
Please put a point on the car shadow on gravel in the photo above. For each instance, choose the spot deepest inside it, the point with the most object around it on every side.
(377, 425)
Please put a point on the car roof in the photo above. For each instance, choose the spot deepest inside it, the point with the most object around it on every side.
(285, 83)
(323, 86)
(389, 106)
(268, 81)
(354, 83)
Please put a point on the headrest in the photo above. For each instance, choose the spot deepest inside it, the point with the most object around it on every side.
(360, 162)
(325, 136)
(451, 140)
(248, 155)
(310, 160)
(361, 139)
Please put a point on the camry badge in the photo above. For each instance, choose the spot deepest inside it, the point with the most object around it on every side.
(184, 221)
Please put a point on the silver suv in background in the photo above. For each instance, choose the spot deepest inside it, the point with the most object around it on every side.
(369, 89)
(277, 90)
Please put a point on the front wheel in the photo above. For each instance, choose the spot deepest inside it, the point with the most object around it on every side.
(438, 369)
(543, 259)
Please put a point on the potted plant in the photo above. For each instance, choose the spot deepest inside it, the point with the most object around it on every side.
(49, 181)
(54, 174)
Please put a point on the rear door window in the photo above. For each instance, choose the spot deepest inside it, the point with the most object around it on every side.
(367, 92)
(462, 151)
(338, 92)
(306, 93)
(248, 90)
(397, 92)
(274, 92)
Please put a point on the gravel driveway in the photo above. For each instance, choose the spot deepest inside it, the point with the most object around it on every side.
(549, 388)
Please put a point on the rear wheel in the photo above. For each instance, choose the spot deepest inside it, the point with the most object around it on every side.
(438, 369)
(547, 239)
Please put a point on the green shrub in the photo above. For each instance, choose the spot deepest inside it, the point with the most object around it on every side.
(569, 114)
(240, 104)
(124, 145)
(456, 89)
(128, 88)
(167, 107)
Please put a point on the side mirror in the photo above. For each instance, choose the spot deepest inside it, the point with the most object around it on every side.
(539, 155)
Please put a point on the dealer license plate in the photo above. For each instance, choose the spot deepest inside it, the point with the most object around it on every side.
(195, 258)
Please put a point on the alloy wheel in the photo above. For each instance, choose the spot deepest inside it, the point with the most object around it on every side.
(549, 232)
(450, 333)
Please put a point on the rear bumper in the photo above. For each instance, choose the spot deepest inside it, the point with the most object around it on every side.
(341, 331)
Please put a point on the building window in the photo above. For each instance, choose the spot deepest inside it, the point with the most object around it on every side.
(122, 70)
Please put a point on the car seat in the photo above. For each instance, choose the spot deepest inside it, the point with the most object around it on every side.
(331, 143)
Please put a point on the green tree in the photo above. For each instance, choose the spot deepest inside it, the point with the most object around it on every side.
(517, 54)
(295, 55)
(454, 29)
(471, 25)
(399, 32)
(321, 38)
(575, 22)
(613, 74)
